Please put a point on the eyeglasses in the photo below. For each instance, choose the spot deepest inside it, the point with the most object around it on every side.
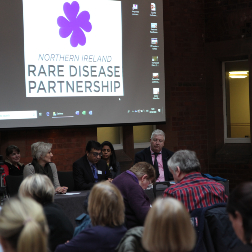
(96, 154)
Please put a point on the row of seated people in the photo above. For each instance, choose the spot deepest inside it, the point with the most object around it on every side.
(26, 225)
(190, 188)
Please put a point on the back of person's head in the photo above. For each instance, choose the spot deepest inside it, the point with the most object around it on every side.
(142, 168)
(39, 187)
(105, 205)
(93, 145)
(240, 201)
(157, 132)
(23, 226)
(9, 150)
(186, 160)
(168, 227)
(40, 149)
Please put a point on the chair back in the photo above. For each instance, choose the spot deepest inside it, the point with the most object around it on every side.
(12, 184)
(66, 179)
(159, 187)
(214, 229)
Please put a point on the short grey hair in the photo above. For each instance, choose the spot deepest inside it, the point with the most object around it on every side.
(186, 160)
(40, 149)
(157, 132)
(39, 187)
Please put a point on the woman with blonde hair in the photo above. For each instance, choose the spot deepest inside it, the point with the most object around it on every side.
(106, 210)
(23, 226)
(40, 188)
(168, 228)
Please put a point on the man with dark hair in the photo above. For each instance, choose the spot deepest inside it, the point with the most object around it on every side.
(191, 188)
(90, 168)
(157, 156)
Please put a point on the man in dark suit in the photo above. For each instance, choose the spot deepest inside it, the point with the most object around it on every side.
(157, 155)
(90, 168)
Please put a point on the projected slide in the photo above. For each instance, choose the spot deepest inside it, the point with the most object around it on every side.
(81, 62)
(68, 52)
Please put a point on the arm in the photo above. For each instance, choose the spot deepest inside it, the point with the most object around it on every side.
(28, 170)
(139, 202)
(55, 175)
(80, 180)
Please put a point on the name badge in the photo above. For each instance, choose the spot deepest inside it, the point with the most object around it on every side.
(99, 172)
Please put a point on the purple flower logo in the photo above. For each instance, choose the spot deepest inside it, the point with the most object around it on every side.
(74, 24)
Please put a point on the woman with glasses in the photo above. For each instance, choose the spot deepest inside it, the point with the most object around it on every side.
(108, 154)
(41, 163)
(132, 184)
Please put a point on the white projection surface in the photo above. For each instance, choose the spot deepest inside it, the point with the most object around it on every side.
(84, 62)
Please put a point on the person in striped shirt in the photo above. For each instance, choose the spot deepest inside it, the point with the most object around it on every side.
(191, 188)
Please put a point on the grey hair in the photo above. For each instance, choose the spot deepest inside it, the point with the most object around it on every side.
(40, 149)
(157, 132)
(186, 160)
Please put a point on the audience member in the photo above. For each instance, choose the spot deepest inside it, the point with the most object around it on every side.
(108, 154)
(191, 188)
(157, 156)
(12, 165)
(41, 163)
(106, 210)
(40, 188)
(132, 184)
(23, 226)
(239, 208)
(168, 228)
(90, 168)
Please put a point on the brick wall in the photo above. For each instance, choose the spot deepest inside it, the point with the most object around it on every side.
(186, 126)
(68, 143)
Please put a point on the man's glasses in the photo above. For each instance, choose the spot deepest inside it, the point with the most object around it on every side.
(96, 154)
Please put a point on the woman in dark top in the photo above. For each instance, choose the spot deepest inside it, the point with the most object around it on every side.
(239, 208)
(40, 188)
(108, 154)
(106, 210)
(12, 165)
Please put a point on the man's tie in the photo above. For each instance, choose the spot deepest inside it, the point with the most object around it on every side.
(94, 170)
(156, 165)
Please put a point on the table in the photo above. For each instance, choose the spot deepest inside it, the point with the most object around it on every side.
(72, 205)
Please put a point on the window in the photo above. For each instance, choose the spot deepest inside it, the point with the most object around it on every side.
(236, 102)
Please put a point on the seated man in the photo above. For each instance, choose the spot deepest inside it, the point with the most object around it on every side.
(132, 184)
(90, 168)
(157, 156)
(191, 188)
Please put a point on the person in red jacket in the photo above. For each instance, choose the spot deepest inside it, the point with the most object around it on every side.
(12, 165)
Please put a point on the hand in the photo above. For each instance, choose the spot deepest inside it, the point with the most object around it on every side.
(61, 189)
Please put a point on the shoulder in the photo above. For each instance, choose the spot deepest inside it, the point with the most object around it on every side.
(144, 151)
(81, 160)
(167, 152)
(53, 166)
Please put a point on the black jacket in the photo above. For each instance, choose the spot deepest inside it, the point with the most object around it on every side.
(145, 155)
(83, 175)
